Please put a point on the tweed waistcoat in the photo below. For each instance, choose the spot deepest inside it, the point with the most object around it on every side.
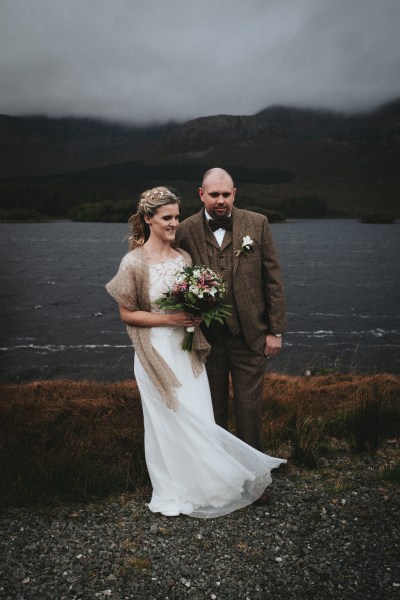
(220, 261)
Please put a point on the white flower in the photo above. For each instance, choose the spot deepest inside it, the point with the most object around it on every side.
(247, 243)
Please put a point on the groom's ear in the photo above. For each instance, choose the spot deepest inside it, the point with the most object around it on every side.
(201, 194)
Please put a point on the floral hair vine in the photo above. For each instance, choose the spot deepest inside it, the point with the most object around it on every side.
(142, 205)
(149, 196)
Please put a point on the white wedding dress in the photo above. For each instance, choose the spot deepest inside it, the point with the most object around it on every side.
(196, 467)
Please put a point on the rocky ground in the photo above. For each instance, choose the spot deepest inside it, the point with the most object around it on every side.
(328, 533)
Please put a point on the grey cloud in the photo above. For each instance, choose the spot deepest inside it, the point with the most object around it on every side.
(156, 60)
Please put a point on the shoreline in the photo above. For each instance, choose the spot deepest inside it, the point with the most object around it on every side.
(310, 372)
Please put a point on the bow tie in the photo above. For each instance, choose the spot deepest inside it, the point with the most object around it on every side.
(225, 223)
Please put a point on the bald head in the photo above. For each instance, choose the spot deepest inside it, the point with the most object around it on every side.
(216, 175)
(217, 193)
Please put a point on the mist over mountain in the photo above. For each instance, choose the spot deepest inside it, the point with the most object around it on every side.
(279, 155)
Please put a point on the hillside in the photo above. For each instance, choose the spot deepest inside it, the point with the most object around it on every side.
(40, 146)
(349, 161)
(281, 158)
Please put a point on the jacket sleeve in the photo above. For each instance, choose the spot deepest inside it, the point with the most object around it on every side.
(273, 284)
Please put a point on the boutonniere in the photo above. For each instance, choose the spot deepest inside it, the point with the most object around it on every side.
(246, 246)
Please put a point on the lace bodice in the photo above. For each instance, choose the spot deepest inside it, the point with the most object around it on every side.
(161, 277)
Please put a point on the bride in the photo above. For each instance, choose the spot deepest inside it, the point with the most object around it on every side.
(196, 467)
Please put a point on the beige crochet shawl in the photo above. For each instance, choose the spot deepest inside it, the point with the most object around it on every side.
(130, 288)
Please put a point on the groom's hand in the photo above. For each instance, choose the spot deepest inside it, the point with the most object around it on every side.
(273, 345)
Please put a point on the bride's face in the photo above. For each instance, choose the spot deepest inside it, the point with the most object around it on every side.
(164, 223)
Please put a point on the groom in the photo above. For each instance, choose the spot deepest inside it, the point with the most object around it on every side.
(238, 244)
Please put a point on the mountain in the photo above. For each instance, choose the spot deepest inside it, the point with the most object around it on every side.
(34, 146)
(280, 158)
(351, 161)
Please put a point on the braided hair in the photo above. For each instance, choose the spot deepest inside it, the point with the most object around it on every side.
(150, 201)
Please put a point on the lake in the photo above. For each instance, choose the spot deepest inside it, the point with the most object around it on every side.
(57, 321)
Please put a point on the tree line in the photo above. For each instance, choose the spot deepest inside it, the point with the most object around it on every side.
(109, 194)
(81, 203)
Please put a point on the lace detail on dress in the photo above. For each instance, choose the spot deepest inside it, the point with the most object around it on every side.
(162, 276)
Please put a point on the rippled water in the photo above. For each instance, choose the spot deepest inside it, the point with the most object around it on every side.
(57, 321)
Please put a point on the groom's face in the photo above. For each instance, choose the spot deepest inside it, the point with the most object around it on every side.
(218, 195)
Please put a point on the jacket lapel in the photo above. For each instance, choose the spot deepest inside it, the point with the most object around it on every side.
(238, 232)
(200, 234)
(227, 240)
(209, 236)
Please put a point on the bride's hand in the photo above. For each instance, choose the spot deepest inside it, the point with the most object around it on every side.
(183, 319)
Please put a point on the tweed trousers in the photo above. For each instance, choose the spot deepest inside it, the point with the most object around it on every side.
(255, 292)
(231, 355)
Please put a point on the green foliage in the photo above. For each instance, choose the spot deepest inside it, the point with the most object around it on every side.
(106, 212)
(120, 211)
(101, 194)
(305, 207)
(49, 200)
(198, 291)
(379, 218)
(57, 199)
(19, 214)
(188, 208)
(328, 366)
(273, 216)
(110, 194)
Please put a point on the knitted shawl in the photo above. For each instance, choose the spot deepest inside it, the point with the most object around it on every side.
(130, 288)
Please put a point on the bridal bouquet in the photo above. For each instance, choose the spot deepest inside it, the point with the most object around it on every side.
(200, 291)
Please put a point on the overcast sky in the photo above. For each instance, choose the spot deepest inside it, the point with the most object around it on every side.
(157, 60)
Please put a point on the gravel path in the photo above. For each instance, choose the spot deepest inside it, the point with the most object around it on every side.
(331, 533)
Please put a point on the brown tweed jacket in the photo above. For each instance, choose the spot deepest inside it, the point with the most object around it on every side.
(257, 287)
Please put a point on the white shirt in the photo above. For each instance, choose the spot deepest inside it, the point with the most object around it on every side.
(218, 233)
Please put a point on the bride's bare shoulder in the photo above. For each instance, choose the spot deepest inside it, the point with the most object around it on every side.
(185, 255)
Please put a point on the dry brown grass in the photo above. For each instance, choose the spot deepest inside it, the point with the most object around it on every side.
(65, 440)
(69, 440)
(302, 412)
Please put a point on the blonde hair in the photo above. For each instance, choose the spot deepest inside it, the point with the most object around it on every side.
(150, 201)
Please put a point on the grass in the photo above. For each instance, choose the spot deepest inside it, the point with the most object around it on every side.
(63, 441)
(370, 422)
(391, 474)
(66, 441)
